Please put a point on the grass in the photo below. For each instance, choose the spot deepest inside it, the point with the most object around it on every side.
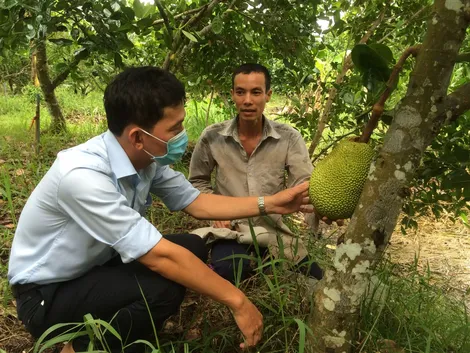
(406, 310)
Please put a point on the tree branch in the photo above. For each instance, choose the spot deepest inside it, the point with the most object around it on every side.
(464, 57)
(416, 14)
(178, 40)
(347, 65)
(182, 52)
(21, 72)
(64, 74)
(182, 14)
(164, 17)
(378, 108)
(455, 104)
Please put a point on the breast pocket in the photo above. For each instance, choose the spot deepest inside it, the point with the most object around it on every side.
(273, 180)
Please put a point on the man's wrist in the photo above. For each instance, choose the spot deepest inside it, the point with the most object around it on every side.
(236, 301)
(268, 204)
(262, 206)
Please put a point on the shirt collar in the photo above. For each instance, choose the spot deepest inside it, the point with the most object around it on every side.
(232, 129)
(118, 159)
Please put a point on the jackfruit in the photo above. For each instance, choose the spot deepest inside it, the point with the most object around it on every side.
(337, 181)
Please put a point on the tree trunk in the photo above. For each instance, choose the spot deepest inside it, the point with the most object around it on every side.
(48, 88)
(34, 73)
(419, 118)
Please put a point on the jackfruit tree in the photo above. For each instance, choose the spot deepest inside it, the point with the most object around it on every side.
(426, 108)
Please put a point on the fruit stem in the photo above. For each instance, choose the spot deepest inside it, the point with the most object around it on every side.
(378, 107)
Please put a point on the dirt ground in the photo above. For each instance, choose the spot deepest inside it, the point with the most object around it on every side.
(441, 245)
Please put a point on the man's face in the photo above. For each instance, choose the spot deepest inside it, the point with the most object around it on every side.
(170, 125)
(249, 95)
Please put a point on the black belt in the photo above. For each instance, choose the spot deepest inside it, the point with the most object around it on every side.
(18, 289)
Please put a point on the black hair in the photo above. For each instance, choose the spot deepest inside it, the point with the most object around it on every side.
(139, 95)
(248, 68)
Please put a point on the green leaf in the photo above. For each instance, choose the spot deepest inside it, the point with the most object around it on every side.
(248, 36)
(348, 98)
(463, 216)
(143, 10)
(384, 51)
(462, 154)
(190, 36)
(75, 33)
(302, 333)
(217, 25)
(367, 60)
(30, 32)
(82, 53)
(61, 41)
(144, 23)
(466, 193)
(125, 43)
(115, 6)
(118, 60)
(8, 4)
(128, 12)
(107, 13)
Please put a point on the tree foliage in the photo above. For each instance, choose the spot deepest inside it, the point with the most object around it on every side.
(304, 43)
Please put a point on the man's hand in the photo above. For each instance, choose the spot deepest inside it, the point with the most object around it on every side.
(250, 322)
(181, 266)
(290, 200)
(328, 221)
(222, 224)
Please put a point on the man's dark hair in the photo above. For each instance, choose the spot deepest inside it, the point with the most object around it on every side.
(248, 68)
(139, 95)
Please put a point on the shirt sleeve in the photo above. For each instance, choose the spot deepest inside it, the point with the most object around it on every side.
(298, 162)
(173, 188)
(201, 167)
(91, 199)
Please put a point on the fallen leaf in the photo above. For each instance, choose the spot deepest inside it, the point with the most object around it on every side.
(193, 334)
(10, 226)
(19, 172)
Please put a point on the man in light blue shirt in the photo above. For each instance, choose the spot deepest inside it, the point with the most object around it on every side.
(83, 246)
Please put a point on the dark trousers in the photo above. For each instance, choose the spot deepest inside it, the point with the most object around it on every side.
(229, 268)
(111, 291)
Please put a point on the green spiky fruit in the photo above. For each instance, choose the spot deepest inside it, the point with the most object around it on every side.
(338, 179)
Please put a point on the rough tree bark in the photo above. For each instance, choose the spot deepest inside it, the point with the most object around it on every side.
(420, 115)
(47, 87)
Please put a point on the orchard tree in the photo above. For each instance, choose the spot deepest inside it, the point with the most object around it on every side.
(426, 109)
(88, 26)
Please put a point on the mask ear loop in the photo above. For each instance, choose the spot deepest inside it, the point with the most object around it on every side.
(156, 138)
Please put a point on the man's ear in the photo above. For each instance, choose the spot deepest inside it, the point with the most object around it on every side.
(134, 137)
(268, 95)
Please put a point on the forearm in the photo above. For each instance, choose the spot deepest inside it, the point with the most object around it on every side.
(218, 207)
(203, 185)
(182, 266)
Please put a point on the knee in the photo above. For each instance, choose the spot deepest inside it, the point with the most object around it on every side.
(170, 298)
(230, 268)
(197, 246)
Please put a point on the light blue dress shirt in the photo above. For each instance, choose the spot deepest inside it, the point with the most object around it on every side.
(90, 205)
